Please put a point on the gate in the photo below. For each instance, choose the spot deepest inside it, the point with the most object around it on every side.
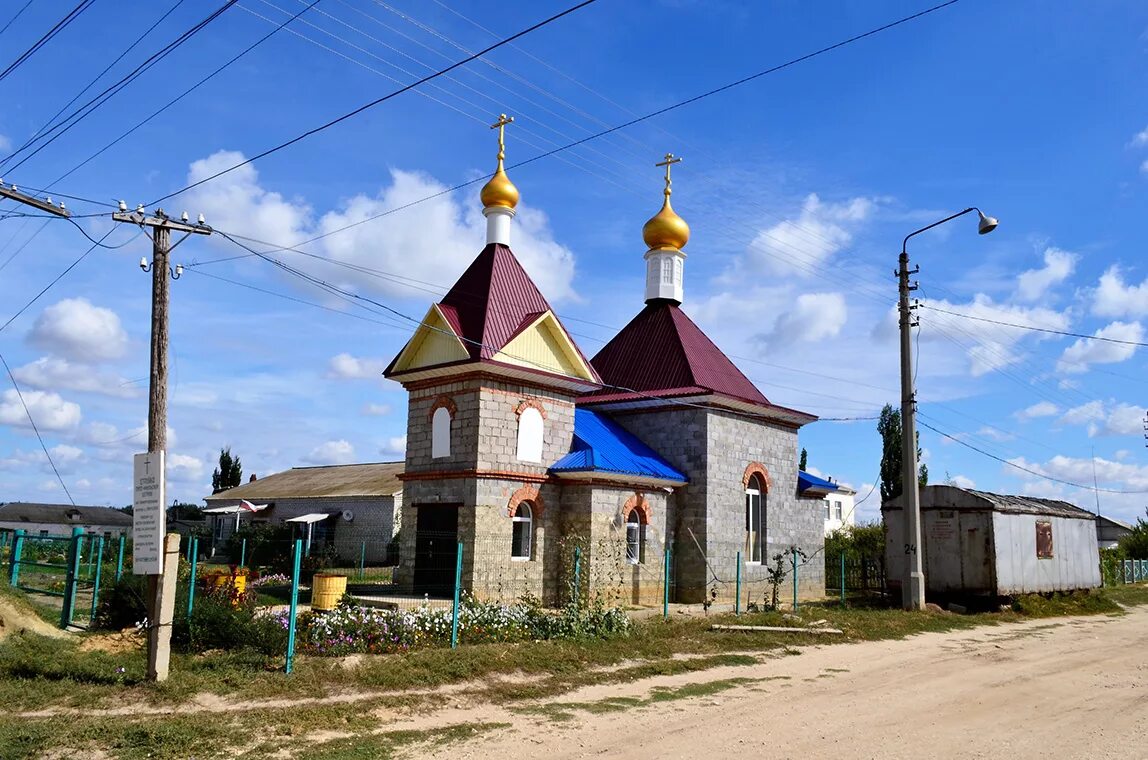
(66, 567)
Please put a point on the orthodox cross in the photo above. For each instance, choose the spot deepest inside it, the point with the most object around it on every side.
(669, 161)
(500, 125)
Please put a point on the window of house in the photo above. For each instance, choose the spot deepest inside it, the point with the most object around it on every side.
(218, 529)
(1043, 540)
(828, 510)
(755, 521)
(837, 508)
(635, 538)
(43, 533)
(440, 433)
(530, 435)
(521, 530)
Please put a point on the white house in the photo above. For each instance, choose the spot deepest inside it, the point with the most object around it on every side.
(60, 519)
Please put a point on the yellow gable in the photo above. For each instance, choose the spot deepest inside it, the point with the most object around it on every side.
(544, 345)
(434, 342)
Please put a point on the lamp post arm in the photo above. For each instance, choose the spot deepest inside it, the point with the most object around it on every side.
(936, 224)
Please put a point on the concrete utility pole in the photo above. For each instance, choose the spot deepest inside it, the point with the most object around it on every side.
(161, 600)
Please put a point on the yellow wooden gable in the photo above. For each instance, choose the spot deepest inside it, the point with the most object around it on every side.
(544, 345)
(434, 342)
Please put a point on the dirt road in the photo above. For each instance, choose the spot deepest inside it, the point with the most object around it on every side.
(1067, 688)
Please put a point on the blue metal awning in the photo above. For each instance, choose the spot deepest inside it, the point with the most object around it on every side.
(603, 446)
(807, 482)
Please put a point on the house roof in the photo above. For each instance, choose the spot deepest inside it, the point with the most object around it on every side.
(952, 497)
(1113, 521)
(601, 445)
(63, 514)
(661, 351)
(806, 482)
(374, 479)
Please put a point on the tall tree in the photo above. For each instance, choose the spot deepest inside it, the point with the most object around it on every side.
(801, 465)
(228, 474)
(889, 426)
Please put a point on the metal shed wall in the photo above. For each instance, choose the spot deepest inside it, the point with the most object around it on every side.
(1075, 562)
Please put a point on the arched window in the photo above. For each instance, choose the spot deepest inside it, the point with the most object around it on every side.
(635, 538)
(755, 520)
(530, 435)
(521, 532)
(667, 270)
(440, 433)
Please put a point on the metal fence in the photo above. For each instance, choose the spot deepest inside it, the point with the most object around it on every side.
(846, 574)
(1124, 571)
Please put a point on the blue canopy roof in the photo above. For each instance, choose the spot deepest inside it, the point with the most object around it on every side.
(805, 481)
(602, 445)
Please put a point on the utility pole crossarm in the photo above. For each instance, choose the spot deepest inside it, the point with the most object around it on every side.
(160, 220)
(12, 193)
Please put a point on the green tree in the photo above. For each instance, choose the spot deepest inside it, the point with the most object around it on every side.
(1135, 544)
(889, 426)
(804, 459)
(228, 474)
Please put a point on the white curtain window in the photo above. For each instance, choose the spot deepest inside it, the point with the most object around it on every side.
(440, 433)
(837, 506)
(755, 521)
(530, 435)
(828, 510)
(521, 531)
(635, 538)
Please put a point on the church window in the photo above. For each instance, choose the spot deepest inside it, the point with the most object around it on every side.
(522, 525)
(667, 271)
(440, 433)
(635, 535)
(678, 269)
(755, 520)
(530, 435)
(652, 273)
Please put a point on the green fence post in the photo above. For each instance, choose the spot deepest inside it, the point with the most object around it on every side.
(577, 573)
(737, 585)
(457, 595)
(793, 551)
(363, 561)
(96, 582)
(243, 553)
(72, 580)
(193, 550)
(14, 559)
(842, 579)
(666, 584)
(298, 552)
(120, 559)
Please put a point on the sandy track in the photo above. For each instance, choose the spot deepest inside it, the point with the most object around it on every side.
(1074, 687)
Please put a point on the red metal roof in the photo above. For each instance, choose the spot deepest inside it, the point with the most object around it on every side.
(661, 351)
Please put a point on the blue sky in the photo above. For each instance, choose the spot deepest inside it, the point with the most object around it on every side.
(798, 188)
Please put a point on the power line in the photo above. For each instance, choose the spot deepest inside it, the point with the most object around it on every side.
(35, 429)
(1022, 468)
(383, 99)
(1035, 329)
(46, 38)
(18, 14)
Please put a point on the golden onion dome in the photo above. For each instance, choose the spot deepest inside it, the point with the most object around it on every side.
(499, 191)
(666, 229)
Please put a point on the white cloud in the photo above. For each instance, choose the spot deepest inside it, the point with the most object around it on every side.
(353, 367)
(331, 452)
(1112, 298)
(430, 242)
(1039, 409)
(395, 448)
(1058, 266)
(814, 316)
(1119, 475)
(5, 144)
(961, 481)
(1077, 357)
(52, 373)
(376, 410)
(799, 246)
(185, 467)
(1140, 139)
(1083, 414)
(994, 434)
(1144, 166)
(1107, 419)
(49, 410)
(75, 329)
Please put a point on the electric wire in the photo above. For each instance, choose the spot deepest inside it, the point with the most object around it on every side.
(35, 429)
(19, 13)
(46, 38)
(1034, 328)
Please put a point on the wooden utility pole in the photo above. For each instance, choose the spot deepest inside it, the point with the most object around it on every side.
(11, 192)
(161, 588)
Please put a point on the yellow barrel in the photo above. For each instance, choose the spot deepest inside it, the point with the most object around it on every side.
(236, 585)
(327, 590)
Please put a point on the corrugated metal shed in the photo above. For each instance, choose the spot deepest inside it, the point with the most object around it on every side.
(63, 514)
(603, 446)
(375, 479)
(662, 351)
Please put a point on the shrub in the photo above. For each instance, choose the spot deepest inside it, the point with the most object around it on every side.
(123, 604)
(856, 541)
(222, 619)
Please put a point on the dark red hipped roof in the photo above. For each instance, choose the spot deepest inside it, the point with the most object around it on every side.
(662, 352)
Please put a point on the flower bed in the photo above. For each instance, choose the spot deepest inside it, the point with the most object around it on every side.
(352, 630)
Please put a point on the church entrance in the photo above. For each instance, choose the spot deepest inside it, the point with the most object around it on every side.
(436, 549)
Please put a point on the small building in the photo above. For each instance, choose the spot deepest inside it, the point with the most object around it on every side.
(60, 519)
(836, 500)
(1109, 531)
(352, 508)
(976, 542)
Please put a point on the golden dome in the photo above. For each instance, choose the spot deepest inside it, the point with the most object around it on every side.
(499, 191)
(666, 229)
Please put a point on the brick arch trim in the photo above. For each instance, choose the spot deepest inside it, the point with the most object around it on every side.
(443, 402)
(637, 503)
(528, 493)
(530, 403)
(757, 468)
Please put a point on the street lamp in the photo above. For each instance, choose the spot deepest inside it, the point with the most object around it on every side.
(913, 582)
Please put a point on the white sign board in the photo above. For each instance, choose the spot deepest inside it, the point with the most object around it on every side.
(149, 520)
